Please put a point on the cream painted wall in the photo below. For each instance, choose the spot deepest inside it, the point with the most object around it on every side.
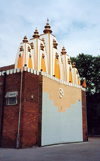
(71, 94)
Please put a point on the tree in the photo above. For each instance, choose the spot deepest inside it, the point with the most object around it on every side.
(89, 67)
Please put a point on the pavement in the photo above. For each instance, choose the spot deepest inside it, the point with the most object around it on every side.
(84, 151)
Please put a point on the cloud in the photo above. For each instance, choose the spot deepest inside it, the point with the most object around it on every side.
(75, 24)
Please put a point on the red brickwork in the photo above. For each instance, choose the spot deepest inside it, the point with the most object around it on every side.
(84, 115)
(29, 111)
(29, 116)
(10, 119)
(7, 67)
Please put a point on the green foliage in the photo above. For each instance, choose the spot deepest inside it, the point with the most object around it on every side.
(89, 67)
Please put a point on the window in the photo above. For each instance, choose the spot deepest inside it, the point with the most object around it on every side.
(11, 101)
(11, 98)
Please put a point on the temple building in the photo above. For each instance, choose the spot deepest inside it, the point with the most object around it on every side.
(41, 53)
(41, 99)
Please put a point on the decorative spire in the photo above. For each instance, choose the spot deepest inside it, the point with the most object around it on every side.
(54, 44)
(32, 45)
(57, 56)
(69, 68)
(84, 84)
(43, 56)
(36, 34)
(63, 52)
(25, 39)
(41, 47)
(47, 28)
(69, 61)
(29, 49)
(30, 56)
(73, 65)
(43, 40)
(21, 48)
(20, 55)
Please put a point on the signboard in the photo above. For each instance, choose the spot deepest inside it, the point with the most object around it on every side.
(11, 94)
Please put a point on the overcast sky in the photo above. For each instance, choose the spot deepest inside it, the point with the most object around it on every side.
(75, 23)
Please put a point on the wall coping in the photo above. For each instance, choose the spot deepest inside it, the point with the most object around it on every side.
(13, 71)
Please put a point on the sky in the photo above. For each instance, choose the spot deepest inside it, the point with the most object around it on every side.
(75, 23)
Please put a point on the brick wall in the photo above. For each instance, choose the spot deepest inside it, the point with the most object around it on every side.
(84, 114)
(29, 116)
(7, 67)
(10, 119)
(29, 111)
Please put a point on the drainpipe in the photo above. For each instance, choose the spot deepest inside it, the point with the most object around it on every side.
(18, 133)
(3, 103)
